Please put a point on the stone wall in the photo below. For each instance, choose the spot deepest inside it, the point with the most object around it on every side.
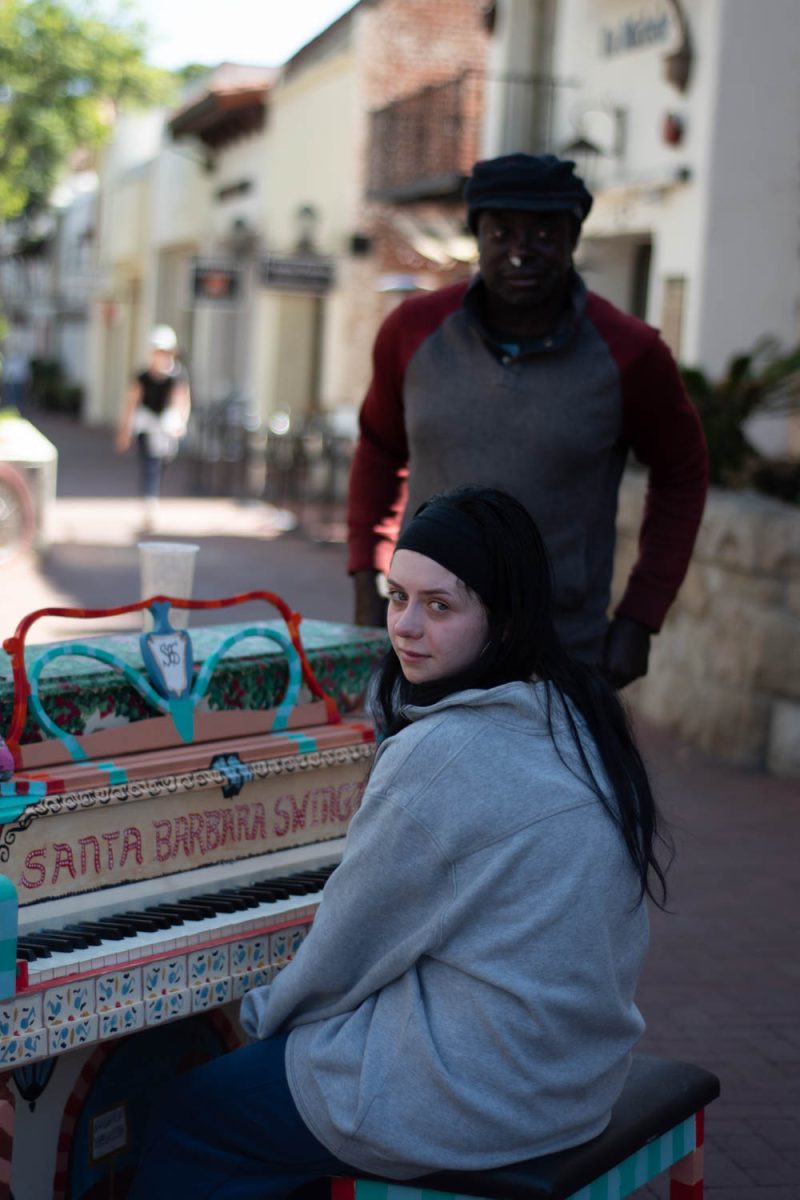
(725, 669)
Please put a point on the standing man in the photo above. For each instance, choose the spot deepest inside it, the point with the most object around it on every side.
(523, 380)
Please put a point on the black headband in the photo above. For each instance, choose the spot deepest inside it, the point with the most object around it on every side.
(455, 541)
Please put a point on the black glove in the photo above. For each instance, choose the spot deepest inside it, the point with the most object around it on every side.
(626, 651)
(370, 605)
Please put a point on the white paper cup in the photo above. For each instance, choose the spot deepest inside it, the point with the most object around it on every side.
(167, 569)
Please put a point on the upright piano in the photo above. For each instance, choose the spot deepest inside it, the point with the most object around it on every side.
(177, 801)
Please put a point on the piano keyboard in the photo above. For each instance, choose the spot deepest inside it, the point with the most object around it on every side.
(199, 908)
(158, 950)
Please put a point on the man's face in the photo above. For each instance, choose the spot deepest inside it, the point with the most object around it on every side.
(525, 257)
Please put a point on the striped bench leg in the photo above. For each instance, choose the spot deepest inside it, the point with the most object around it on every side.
(687, 1175)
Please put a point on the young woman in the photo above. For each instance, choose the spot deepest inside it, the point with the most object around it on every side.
(465, 998)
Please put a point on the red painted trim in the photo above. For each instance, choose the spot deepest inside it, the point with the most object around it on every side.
(343, 1189)
(685, 1191)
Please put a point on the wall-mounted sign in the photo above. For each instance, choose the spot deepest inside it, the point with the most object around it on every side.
(215, 281)
(295, 273)
(635, 33)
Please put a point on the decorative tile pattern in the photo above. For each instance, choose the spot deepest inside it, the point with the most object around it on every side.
(23, 1049)
(247, 980)
(167, 1007)
(74, 1002)
(161, 978)
(285, 943)
(205, 966)
(210, 995)
(21, 1016)
(250, 955)
(119, 989)
(72, 1034)
(121, 1020)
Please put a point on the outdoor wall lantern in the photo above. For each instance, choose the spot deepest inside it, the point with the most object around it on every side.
(600, 132)
(306, 224)
(242, 238)
(585, 155)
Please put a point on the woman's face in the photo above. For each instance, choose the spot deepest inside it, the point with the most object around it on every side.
(161, 361)
(437, 626)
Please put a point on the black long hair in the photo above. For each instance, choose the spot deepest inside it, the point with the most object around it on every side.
(523, 645)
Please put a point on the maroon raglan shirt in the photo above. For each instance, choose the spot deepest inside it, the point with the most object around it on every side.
(446, 407)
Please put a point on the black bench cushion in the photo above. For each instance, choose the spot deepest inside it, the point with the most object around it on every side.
(659, 1093)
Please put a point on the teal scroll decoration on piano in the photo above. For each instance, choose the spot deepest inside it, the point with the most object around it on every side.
(167, 656)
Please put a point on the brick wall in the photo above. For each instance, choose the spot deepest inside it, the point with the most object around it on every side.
(405, 45)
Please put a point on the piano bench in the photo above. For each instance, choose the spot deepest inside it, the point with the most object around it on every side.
(656, 1126)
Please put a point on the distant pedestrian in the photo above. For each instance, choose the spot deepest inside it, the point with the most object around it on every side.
(156, 411)
(16, 379)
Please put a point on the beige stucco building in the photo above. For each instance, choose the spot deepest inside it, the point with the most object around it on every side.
(258, 218)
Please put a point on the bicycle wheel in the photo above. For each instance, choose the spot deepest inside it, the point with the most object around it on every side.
(17, 520)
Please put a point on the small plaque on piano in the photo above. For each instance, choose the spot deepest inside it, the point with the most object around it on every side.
(109, 1133)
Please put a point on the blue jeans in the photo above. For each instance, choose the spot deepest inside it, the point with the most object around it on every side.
(229, 1130)
(151, 469)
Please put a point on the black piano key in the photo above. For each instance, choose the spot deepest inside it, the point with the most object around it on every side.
(136, 923)
(107, 932)
(247, 898)
(29, 953)
(203, 906)
(60, 940)
(181, 911)
(51, 941)
(30, 950)
(168, 912)
(91, 939)
(147, 920)
(264, 894)
(295, 887)
(219, 902)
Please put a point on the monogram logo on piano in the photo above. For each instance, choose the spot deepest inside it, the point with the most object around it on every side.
(170, 654)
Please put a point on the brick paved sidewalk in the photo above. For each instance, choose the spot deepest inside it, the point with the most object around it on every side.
(722, 982)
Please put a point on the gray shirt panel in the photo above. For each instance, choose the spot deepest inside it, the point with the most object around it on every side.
(545, 427)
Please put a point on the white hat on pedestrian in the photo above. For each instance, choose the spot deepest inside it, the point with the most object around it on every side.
(163, 337)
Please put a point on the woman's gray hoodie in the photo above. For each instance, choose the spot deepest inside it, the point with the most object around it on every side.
(465, 998)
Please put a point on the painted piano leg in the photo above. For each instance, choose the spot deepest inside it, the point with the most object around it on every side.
(686, 1177)
(7, 1113)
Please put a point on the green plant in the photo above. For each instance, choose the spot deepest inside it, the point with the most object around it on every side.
(763, 380)
(52, 390)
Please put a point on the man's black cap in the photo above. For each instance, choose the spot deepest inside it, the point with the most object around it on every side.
(527, 183)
